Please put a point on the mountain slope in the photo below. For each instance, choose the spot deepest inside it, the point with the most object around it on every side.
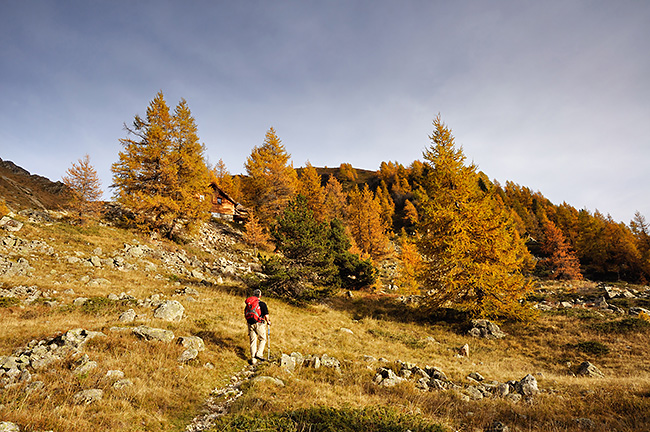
(21, 190)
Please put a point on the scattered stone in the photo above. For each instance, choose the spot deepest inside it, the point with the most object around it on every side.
(464, 351)
(474, 393)
(170, 310)
(127, 316)
(154, 334)
(346, 330)
(11, 225)
(386, 377)
(589, 370)
(267, 379)
(114, 374)
(120, 384)
(288, 363)
(527, 386)
(86, 397)
(80, 301)
(85, 367)
(188, 354)
(497, 426)
(476, 376)
(193, 342)
(585, 423)
(486, 329)
(9, 427)
(635, 311)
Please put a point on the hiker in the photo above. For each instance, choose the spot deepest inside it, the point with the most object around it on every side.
(257, 316)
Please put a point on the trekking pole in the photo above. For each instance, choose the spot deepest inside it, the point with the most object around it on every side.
(268, 336)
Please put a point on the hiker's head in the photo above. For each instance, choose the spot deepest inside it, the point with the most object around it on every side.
(257, 293)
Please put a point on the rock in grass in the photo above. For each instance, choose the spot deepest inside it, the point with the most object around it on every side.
(9, 427)
(86, 397)
(155, 334)
(170, 310)
(188, 354)
(589, 370)
(527, 386)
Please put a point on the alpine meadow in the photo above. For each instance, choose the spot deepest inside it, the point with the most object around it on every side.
(419, 297)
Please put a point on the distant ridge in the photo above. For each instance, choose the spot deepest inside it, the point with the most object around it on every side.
(21, 190)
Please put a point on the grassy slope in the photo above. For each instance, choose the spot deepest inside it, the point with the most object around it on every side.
(166, 396)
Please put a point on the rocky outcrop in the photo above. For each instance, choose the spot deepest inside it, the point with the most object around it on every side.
(588, 369)
(485, 329)
(37, 355)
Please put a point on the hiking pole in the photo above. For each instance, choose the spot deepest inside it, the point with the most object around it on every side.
(268, 337)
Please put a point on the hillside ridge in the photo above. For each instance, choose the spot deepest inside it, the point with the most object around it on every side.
(22, 190)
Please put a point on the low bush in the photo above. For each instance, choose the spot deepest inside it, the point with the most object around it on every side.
(626, 325)
(8, 302)
(326, 419)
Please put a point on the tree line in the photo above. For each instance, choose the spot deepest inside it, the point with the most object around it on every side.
(458, 237)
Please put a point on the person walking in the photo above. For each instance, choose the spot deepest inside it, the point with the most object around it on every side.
(257, 317)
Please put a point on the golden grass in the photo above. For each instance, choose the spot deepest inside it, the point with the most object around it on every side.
(166, 395)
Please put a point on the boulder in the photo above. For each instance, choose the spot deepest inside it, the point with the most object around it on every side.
(589, 370)
(127, 316)
(486, 329)
(288, 363)
(193, 342)
(188, 354)
(267, 379)
(122, 383)
(170, 310)
(497, 426)
(10, 224)
(86, 397)
(527, 386)
(386, 377)
(155, 334)
(9, 427)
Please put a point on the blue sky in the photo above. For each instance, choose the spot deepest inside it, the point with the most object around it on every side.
(552, 95)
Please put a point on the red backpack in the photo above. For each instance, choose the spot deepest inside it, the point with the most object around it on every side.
(252, 309)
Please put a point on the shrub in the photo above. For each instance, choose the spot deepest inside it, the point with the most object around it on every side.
(327, 419)
(592, 347)
(8, 302)
(626, 325)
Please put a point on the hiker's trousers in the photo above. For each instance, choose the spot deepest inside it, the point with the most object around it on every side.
(257, 337)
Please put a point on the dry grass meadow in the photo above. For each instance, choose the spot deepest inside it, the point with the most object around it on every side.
(166, 395)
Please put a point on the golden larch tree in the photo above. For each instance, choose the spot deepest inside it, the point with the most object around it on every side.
(336, 200)
(271, 181)
(84, 182)
(368, 228)
(161, 175)
(560, 261)
(473, 255)
(309, 186)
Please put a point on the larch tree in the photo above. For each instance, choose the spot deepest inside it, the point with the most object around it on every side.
(84, 182)
(368, 228)
(309, 186)
(387, 204)
(473, 256)
(336, 200)
(272, 180)
(192, 176)
(409, 268)
(560, 261)
(161, 175)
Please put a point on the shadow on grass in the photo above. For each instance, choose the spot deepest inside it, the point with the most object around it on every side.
(388, 307)
(224, 343)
